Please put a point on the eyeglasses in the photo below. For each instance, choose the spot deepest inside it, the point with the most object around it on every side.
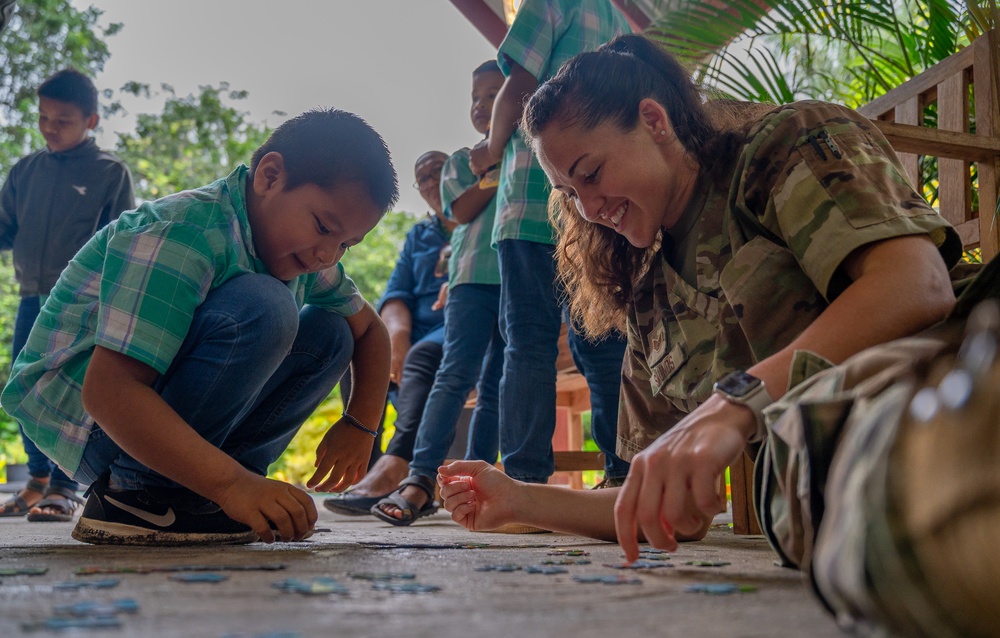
(429, 178)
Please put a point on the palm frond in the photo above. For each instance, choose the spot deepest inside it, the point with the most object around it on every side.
(833, 47)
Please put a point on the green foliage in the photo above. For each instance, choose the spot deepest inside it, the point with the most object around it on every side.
(371, 262)
(43, 37)
(10, 438)
(194, 141)
(848, 51)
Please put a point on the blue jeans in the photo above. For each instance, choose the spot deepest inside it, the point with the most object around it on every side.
(530, 320)
(252, 369)
(601, 365)
(39, 465)
(473, 350)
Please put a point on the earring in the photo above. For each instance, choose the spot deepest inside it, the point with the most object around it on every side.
(663, 132)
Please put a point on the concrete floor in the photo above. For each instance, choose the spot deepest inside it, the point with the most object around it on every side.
(470, 603)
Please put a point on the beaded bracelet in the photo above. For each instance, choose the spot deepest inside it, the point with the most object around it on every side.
(354, 422)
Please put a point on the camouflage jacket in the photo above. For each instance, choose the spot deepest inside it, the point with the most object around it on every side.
(812, 183)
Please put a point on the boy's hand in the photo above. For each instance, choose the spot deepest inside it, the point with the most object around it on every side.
(400, 346)
(442, 297)
(479, 496)
(481, 159)
(269, 507)
(343, 454)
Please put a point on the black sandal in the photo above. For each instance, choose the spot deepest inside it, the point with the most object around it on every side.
(17, 506)
(61, 499)
(410, 511)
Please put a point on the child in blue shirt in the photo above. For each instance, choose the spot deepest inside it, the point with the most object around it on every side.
(187, 342)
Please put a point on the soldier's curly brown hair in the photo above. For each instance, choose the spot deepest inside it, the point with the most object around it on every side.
(598, 268)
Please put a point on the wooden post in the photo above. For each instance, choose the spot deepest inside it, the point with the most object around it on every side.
(986, 79)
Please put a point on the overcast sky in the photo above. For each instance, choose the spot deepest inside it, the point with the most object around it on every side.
(403, 65)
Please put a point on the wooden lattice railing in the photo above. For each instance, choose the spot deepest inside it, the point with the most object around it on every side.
(966, 91)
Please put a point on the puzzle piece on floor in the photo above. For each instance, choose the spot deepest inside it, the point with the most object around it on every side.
(23, 571)
(405, 588)
(104, 583)
(566, 561)
(383, 576)
(653, 558)
(614, 579)
(639, 564)
(150, 569)
(60, 623)
(719, 589)
(199, 577)
(500, 567)
(652, 550)
(90, 608)
(424, 545)
(548, 570)
(568, 552)
(323, 585)
(657, 555)
(707, 563)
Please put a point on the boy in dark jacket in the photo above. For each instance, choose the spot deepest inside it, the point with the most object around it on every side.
(53, 201)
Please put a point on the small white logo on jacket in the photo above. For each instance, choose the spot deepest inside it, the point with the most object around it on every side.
(80, 189)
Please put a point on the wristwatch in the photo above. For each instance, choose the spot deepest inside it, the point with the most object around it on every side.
(743, 388)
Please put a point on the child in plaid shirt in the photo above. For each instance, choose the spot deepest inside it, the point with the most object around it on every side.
(473, 347)
(187, 341)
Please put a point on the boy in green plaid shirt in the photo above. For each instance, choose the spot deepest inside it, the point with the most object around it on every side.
(544, 35)
(473, 347)
(186, 342)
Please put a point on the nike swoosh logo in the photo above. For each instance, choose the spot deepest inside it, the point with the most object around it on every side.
(160, 520)
(80, 189)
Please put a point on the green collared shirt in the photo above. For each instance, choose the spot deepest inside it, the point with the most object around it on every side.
(473, 258)
(545, 34)
(134, 289)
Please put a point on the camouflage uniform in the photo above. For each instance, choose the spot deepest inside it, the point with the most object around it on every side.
(812, 183)
(879, 477)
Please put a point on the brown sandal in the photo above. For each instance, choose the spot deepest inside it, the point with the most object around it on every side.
(17, 506)
(62, 500)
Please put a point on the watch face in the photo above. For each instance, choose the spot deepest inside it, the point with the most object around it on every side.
(738, 384)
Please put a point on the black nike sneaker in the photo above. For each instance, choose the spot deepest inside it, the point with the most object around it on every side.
(155, 516)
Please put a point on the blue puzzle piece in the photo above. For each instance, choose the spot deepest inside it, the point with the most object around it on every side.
(104, 583)
(199, 577)
(89, 608)
(316, 587)
(545, 569)
(405, 588)
(719, 589)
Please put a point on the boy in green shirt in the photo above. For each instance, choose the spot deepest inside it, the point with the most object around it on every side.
(187, 341)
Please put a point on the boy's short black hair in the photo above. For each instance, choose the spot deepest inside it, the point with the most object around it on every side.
(329, 147)
(72, 87)
(490, 66)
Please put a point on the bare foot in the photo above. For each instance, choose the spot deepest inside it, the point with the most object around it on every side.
(384, 476)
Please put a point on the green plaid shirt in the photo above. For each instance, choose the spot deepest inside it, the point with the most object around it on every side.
(473, 258)
(545, 34)
(134, 289)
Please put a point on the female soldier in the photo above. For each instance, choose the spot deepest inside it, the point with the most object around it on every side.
(724, 250)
